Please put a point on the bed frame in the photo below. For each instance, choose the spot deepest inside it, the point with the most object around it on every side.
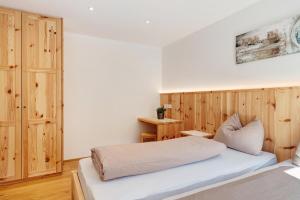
(77, 193)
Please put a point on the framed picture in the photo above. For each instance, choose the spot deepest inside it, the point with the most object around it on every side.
(279, 39)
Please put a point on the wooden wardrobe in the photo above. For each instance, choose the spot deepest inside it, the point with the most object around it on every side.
(31, 95)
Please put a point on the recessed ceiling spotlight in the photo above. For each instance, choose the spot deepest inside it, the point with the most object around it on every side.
(147, 21)
(91, 8)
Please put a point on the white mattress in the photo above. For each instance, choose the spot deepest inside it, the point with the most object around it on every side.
(173, 181)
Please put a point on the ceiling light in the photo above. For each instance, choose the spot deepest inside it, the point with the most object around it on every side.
(91, 8)
(147, 21)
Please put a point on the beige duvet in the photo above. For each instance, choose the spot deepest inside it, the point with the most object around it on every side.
(133, 159)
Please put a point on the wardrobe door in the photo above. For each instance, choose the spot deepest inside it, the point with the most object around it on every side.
(10, 95)
(42, 94)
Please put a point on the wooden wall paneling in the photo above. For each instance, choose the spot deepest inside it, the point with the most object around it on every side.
(10, 95)
(189, 114)
(177, 109)
(228, 104)
(198, 112)
(269, 124)
(277, 108)
(42, 95)
(166, 99)
(282, 119)
(217, 110)
(203, 110)
(210, 118)
(242, 107)
(295, 119)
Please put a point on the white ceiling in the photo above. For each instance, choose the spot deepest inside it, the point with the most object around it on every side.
(125, 19)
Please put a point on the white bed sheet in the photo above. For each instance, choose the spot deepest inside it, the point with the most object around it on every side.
(162, 184)
(287, 163)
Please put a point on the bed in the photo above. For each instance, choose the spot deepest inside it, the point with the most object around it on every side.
(277, 182)
(166, 183)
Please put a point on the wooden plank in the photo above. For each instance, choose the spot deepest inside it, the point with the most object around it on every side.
(177, 109)
(210, 118)
(283, 124)
(295, 119)
(59, 95)
(189, 100)
(10, 99)
(77, 193)
(217, 110)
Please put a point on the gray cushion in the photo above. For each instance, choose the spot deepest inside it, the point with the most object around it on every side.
(296, 159)
(248, 139)
(231, 124)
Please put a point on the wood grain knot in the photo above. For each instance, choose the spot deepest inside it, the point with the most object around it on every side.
(287, 120)
(268, 140)
(48, 122)
(17, 29)
(9, 91)
(36, 84)
(289, 148)
(31, 45)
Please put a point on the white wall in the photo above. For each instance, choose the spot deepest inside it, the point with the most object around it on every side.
(206, 60)
(108, 84)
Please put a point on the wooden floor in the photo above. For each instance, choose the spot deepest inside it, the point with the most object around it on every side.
(50, 188)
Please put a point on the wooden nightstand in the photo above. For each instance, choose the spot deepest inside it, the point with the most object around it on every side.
(164, 128)
(197, 133)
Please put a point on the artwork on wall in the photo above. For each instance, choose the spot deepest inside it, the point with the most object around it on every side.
(279, 39)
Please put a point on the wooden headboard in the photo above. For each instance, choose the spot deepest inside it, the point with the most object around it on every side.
(277, 108)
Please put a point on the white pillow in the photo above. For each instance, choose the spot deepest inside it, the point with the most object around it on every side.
(296, 159)
(231, 124)
(248, 139)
